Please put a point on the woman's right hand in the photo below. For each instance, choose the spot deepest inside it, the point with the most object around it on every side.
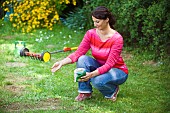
(56, 66)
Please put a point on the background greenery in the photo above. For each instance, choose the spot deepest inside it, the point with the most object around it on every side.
(144, 24)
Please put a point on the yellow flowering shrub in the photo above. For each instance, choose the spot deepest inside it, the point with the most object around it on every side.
(31, 14)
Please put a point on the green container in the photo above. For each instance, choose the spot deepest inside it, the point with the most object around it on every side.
(78, 73)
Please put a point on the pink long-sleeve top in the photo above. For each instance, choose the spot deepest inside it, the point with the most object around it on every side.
(107, 53)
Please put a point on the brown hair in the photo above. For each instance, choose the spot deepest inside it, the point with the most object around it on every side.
(102, 12)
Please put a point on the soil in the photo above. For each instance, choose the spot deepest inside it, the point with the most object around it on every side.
(8, 37)
(151, 62)
(13, 84)
(126, 56)
(15, 64)
(50, 46)
(48, 104)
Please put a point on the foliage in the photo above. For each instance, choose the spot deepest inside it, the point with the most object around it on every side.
(5, 28)
(83, 21)
(82, 15)
(30, 14)
(143, 24)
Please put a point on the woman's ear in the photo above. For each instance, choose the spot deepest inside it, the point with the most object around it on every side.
(107, 19)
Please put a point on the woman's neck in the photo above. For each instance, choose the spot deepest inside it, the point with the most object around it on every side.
(107, 30)
(105, 34)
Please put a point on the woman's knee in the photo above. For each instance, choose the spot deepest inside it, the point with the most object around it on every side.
(87, 62)
(81, 60)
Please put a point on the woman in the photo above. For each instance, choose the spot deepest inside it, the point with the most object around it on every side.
(106, 70)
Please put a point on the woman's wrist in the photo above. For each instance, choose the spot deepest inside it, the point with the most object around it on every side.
(94, 73)
(65, 61)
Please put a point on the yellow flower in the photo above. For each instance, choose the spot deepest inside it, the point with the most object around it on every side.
(4, 4)
(38, 2)
(39, 17)
(31, 3)
(14, 25)
(23, 30)
(17, 27)
(28, 7)
(7, 2)
(11, 15)
(51, 24)
(67, 1)
(10, 19)
(38, 26)
(33, 26)
(74, 2)
(26, 2)
(56, 17)
(46, 14)
(51, 28)
(6, 9)
(15, 14)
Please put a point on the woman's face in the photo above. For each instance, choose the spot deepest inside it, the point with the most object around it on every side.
(100, 23)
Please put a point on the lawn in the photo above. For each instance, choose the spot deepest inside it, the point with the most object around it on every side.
(27, 85)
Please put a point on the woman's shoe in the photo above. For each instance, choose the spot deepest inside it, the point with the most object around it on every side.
(115, 94)
(83, 96)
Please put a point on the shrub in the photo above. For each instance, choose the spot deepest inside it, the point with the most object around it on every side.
(82, 15)
(30, 14)
(143, 24)
(82, 19)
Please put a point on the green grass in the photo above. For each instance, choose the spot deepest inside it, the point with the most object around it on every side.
(27, 85)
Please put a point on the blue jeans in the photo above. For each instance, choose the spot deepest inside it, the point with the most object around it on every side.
(106, 83)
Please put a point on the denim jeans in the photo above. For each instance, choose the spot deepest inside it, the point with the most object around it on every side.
(106, 83)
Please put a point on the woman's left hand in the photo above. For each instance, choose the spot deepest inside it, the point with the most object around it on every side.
(86, 77)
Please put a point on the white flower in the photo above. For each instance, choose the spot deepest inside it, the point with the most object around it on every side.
(69, 36)
(36, 39)
(46, 37)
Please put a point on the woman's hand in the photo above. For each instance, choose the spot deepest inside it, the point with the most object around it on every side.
(86, 77)
(59, 64)
(56, 67)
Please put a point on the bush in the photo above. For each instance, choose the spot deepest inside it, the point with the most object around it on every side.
(30, 14)
(82, 15)
(143, 24)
